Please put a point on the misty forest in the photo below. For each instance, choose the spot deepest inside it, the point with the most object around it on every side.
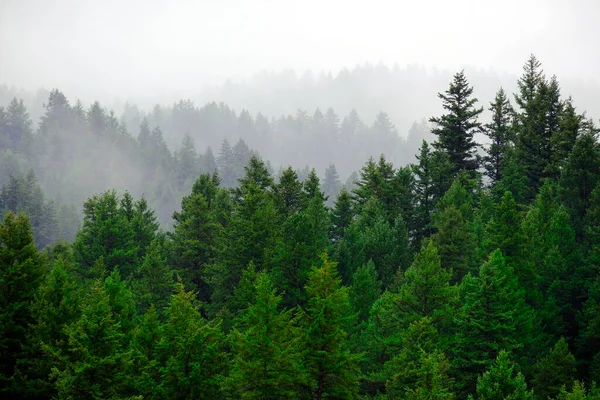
(197, 252)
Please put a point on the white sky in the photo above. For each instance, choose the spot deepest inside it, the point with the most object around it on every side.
(145, 48)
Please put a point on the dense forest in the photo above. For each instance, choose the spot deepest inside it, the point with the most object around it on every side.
(472, 272)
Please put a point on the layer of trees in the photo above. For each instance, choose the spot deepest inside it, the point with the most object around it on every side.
(458, 276)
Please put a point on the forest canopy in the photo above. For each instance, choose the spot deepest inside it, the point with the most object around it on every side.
(131, 270)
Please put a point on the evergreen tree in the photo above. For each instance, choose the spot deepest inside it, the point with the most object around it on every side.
(55, 306)
(303, 239)
(539, 102)
(501, 381)
(288, 192)
(266, 345)
(197, 235)
(419, 370)
(186, 161)
(225, 163)
(504, 228)
(97, 362)
(455, 129)
(493, 317)
(341, 215)
(331, 183)
(579, 177)
(432, 173)
(332, 369)
(426, 291)
(21, 270)
(554, 371)
(500, 134)
(144, 225)
(365, 290)
(105, 233)
(153, 284)
(146, 371)
(191, 347)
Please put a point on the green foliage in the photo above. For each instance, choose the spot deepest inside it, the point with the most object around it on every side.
(332, 369)
(579, 392)
(365, 290)
(105, 233)
(501, 134)
(97, 360)
(197, 235)
(554, 371)
(493, 317)
(21, 270)
(56, 305)
(426, 291)
(153, 282)
(304, 238)
(419, 370)
(501, 381)
(191, 348)
(266, 346)
(455, 129)
(342, 215)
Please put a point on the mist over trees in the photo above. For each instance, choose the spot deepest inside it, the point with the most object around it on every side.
(134, 269)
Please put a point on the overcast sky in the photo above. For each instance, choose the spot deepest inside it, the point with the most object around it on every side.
(145, 48)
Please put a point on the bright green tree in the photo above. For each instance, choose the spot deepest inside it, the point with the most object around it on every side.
(332, 369)
(266, 346)
(501, 381)
(191, 349)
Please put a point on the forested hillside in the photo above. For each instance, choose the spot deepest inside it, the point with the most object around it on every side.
(471, 273)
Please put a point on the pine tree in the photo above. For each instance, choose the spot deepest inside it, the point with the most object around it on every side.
(500, 134)
(419, 370)
(331, 183)
(97, 362)
(426, 291)
(365, 290)
(266, 345)
(553, 371)
(433, 178)
(225, 163)
(312, 187)
(504, 228)
(153, 283)
(55, 306)
(455, 241)
(288, 192)
(304, 238)
(579, 177)
(145, 226)
(501, 381)
(186, 161)
(455, 129)
(493, 317)
(251, 233)
(341, 215)
(146, 356)
(197, 235)
(21, 270)
(105, 233)
(192, 349)
(537, 122)
(579, 392)
(332, 369)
